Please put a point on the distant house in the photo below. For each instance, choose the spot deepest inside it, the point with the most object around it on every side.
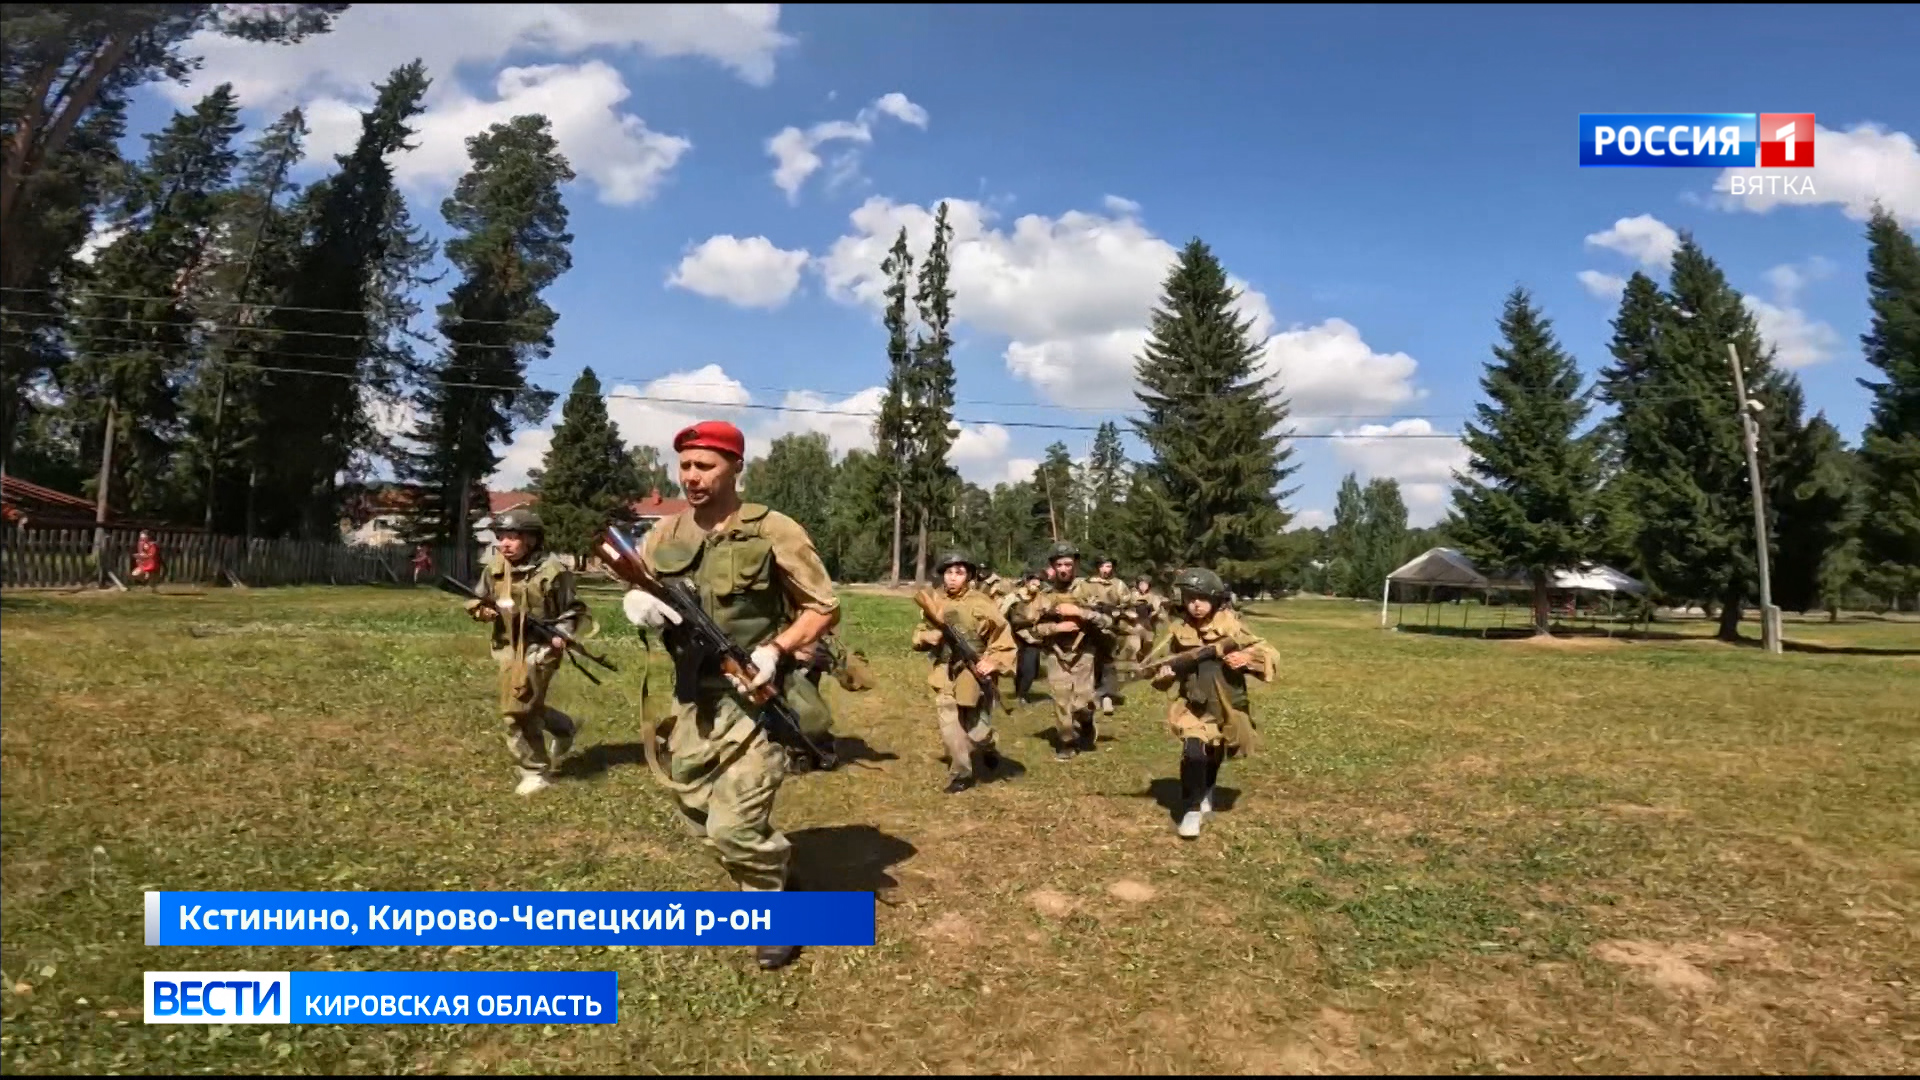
(29, 506)
(378, 516)
(653, 509)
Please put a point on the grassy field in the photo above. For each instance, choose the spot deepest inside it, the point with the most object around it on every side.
(1450, 854)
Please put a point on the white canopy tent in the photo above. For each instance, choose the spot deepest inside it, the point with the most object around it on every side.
(1447, 567)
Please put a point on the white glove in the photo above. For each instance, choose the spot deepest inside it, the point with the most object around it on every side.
(766, 662)
(645, 609)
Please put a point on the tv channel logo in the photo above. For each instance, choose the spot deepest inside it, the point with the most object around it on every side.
(1696, 140)
(219, 997)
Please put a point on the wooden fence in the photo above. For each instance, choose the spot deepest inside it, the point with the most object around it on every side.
(64, 558)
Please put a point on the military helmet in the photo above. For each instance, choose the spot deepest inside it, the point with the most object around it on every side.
(519, 519)
(956, 557)
(1065, 549)
(1202, 582)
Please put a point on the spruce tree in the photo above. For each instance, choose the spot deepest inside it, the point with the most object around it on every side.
(932, 482)
(1890, 448)
(586, 479)
(1106, 491)
(1346, 558)
(1212, 422)
(335, 313)
(1684, 448)
(1053, 499)
(136, 333)
(511, 243)
(1815, 503)
(795, 477)
(893, 428)
(1155, 529)
(1531, 500)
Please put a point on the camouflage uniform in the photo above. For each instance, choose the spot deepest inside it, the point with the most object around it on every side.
(1141, 617)
(1111, 593)
(965, 725)
(1210, 712)
(542, 587)
(752, 573)
(1069, 646)
(1028, 646)
(803, 691)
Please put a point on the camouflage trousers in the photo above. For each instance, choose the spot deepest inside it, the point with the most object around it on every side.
(732, 810)
(963, 729)
(1070, 678)
(530, 720)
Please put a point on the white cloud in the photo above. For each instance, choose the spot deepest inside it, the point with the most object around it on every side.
(980, 454)
(750, 273)
(1853, 169)
(847, 422)
(1117, 205)
(1310, 519)
(1603, 286)
(625, 160)
(1645, 238)
(1798, 339)
(795, 152)
(1073, 294)
(1406, 451)
(369, 40)
(97, 241)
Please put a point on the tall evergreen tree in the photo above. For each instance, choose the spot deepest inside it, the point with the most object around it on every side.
(1156, 530)
(893, 428)
(256, 240)
(1106, 491)
(1213, 424)
(1381, 541)
(511, 242)
(1890, 449)
(1815, 505)
(136, 333)
(336, 314)
(1531, 499)
(933, 482)
(1053, 495)
(67, 195)
(63, 62)
(859, 512)
(586, 479)
(1683, 449)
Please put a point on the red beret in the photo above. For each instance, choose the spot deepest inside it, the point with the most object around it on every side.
(712, 435)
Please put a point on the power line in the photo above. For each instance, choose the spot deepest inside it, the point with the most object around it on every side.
(556, 373)
(756, 406)
(237, 303)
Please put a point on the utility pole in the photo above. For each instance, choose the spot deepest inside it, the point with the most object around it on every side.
(1769, 616)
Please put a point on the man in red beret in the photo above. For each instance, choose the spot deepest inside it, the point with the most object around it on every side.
(760, 578)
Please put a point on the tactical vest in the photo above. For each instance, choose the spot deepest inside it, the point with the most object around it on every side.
(1201, 686)
(531, 591)
(732, 570)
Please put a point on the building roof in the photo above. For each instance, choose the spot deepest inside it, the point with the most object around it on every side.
(653, 506)
(499, 502)
(22, 500)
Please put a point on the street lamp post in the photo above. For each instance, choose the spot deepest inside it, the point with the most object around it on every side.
(1769, 615)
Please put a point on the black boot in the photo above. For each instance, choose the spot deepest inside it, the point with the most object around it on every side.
(1088, 734)
(990, 759)
(958, 784)
(775, 957)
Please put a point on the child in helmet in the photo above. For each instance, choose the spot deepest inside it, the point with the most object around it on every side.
(1209, 712)
(957, 689)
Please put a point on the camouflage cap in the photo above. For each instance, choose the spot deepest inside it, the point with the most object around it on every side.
(1065, 549)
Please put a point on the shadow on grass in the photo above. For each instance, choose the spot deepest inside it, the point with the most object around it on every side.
(1166, 792)
(848, 858)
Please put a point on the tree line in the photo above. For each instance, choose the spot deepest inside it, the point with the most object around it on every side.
(226, 353)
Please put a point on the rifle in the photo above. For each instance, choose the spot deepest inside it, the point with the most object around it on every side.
(964, 652)
(540, 628)
(698, 641)
(1182, 663)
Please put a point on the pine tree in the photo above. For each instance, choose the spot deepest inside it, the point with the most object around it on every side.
(255, 241)
(511, 243)
(66, 195)
(67, 62)
(933, 482)
(1106, 490)
(1213, 424)
(332, 314)
(136, 333)
(1346, 539)
(1155, 527)
(859, 510)
(1053, 501)
(586, 479)
(1815, 502)
(1531, 499)
(893, 429)
(1890, 448)
(1683, 450)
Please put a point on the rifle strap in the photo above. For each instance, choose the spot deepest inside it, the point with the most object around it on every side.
(653, 731)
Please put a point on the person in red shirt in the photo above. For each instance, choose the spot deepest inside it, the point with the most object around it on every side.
(146, 562)
(422, 562)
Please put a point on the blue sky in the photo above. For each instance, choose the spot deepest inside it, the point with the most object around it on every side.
(1378, 179)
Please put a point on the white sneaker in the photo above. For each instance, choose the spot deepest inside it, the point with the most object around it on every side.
(563, 744)
(1206, 804)
(1189, 825)
(532, 783)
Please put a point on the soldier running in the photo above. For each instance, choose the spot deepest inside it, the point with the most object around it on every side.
(1062, 616)
(958, 698)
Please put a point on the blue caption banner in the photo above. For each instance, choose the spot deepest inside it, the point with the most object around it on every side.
(382, 997)
(509, 918)
(1669, 140)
